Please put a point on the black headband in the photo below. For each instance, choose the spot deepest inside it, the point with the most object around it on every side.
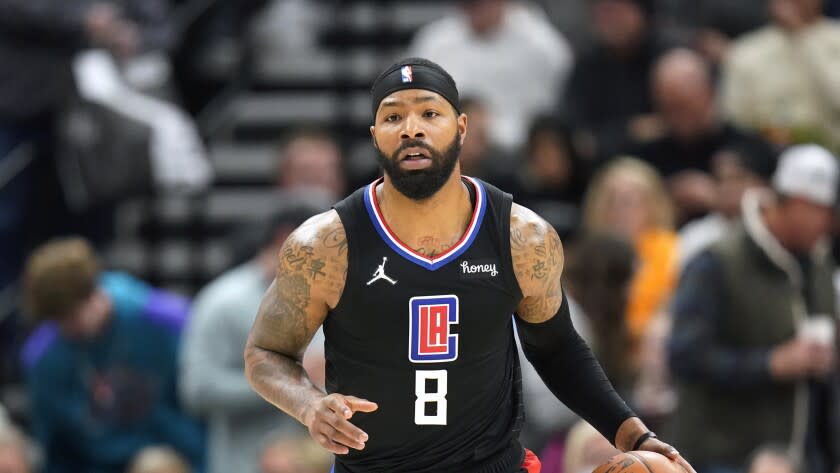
(409, 75)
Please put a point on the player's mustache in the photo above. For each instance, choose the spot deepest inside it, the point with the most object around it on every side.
(414, 144)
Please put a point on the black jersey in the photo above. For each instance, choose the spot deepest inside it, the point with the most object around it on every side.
(431, 341)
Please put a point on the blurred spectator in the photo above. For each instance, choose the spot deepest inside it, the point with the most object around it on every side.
(479, 156)
(310, 161)
(628, 199)
(771, 459)
(654, 397)
(158, 460)
(294, 454)
(16, 453)
(585, 449)
(608, 96)
(737, 167)
(38, 40)
(711, 25)
(571, 18)
(549, 178)
(752, 346)
(212, 49)
(784, 79)
(550, 168)
(504, 52)
(212, 380)
(101, 367)
(599, 269)
(685, 100)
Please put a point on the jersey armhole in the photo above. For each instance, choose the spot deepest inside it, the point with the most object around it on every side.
(504, 225)
(352, 248)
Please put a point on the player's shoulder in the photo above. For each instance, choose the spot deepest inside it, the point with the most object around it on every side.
(527, 228)
(536, 249)
(323, 233)
(316, 254)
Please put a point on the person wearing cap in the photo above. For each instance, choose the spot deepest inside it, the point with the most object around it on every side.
(414, 279)
(752, 347)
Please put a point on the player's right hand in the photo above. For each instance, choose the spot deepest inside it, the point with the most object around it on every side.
(328, 420)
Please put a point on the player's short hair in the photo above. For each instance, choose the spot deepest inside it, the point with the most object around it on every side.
(59, 276)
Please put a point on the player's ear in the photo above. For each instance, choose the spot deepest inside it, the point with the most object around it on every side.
(373, 138)
(462, 126)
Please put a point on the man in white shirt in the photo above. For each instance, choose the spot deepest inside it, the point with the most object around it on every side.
(784, 79)
(505, 53)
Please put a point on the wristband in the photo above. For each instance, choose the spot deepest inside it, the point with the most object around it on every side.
(642, 438)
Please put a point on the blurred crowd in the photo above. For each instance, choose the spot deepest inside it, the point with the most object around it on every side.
(685, 150)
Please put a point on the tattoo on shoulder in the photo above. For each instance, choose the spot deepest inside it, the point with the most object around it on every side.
(538, 263)
(315, 253)
(336, 238)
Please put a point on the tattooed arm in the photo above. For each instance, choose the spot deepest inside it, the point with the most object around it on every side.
(310, 278)
(551, 344)
(537, 262)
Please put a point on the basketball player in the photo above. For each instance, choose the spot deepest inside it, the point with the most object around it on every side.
(414, 278)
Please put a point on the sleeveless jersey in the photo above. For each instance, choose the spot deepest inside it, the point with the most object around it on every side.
(431, 341)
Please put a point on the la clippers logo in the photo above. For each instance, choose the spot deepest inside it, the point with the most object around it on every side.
(407, 74)
(430, 338)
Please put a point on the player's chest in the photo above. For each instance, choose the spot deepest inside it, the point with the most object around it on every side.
(407, 305)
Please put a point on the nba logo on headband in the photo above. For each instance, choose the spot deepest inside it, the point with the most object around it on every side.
(406, 74)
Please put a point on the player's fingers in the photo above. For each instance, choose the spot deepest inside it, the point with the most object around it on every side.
(350, 430)
(341, 438)
(339, 405)
(333, 447)
(660, 447)
(360, 405)
(684, 464)
(664, 449)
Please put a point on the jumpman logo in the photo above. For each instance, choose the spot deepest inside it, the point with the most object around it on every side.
(380, 273)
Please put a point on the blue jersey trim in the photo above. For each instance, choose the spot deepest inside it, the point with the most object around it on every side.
(401, 249)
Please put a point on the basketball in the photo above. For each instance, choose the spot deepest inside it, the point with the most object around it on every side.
(639, 462)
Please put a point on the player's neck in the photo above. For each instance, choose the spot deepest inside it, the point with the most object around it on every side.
(444, 215)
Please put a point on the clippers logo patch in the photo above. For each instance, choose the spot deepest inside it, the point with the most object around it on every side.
(430, 337)
(407, 74)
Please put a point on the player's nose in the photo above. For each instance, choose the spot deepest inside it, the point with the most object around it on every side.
(412, 128)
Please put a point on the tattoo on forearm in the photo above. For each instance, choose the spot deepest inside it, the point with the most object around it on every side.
(311, 272)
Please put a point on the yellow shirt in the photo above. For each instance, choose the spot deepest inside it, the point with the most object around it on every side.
(654, 280)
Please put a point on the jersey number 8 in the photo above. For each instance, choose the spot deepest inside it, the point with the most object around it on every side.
(430, 397)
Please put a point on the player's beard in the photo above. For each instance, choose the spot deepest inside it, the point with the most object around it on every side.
(421, 184)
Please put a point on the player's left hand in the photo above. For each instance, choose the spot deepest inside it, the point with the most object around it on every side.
(662, 448)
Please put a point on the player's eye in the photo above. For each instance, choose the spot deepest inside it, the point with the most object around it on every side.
(431, 114)
(392, 117)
